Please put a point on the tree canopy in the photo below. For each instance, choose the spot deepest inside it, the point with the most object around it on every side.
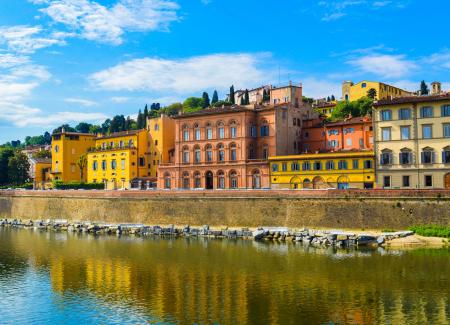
(215, 97)
(423, 88)
(360, 107)
(193, 104)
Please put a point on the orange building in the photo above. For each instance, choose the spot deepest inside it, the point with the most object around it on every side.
(349, 134)
(228, 147)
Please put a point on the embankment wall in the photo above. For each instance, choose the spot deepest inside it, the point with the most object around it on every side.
(346, 210)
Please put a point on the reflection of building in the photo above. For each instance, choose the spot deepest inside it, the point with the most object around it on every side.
(340, 170)
(162, 132)
(412, 142)
(118, 158)
(228, 147)
(351, 91)
(348, 134)
(67, 147)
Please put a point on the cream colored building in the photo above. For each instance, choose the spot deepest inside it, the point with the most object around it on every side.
(412, 142)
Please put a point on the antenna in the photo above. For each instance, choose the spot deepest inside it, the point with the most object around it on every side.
(279, 75)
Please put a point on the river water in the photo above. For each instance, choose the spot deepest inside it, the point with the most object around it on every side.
(62, 278)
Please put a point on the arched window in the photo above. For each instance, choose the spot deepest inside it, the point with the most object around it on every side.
(264, 129)
(186, 181)
(221, 130)
(233, 179)
(197, 132)
(197, 154)
(233, 152)
(405, 156)
(167, 181)
(197, 180)
(251, 151)
(220, 153)
(233, 129)
(329, 165)
(307, 183)
(386, 157)
(428, 155)
(265, 152)
(186, 155)
(185, 132)
(256, 179)
(220, 179)
(209, 133)
(208, 153)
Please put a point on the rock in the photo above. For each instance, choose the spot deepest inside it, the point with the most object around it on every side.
(258, 234)
(380, 240)
(363, 240)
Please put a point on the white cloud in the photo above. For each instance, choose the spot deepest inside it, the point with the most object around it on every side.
(28, 39)
(441, 59)
(120, 100)
(9, 60)
(380, 4)
(81, 101)
(384, 65)
(321, 88)
(93, 21)
(185, 75)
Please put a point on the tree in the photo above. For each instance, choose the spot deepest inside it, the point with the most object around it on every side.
(94, 129)
(83, 127)
(215, 97)
(34, 141)
(232, 94)
(146, 111)
(43, 154)
(307, 99)
(66, 127)
(82, 163)
(173, 109)
(105, 126)
(128, 123)
(193, 104)
(360, 107)
(333, 98)
(423, 88)
(242, 102)
(47, 138)
(372, 93)
(140, 120)
(246, 97)
(18, 167)
(5, 154)
(328, 99)
(117, 124)
(206, 101)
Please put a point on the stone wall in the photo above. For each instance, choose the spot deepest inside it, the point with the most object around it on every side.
(233, 211)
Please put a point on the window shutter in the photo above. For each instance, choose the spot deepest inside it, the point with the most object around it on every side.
(411, 157)
(433, 157)
(400, 158)
(422, 157)
(391, 158)
(443, 157)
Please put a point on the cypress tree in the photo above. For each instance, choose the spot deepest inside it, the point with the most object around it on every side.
(215, 97)
(206, 101)
(328, 98)
(266, 96)
(423, 88)
(333, 98)
(140, 120)
(246, 97)
(242, 102)
(232, 94)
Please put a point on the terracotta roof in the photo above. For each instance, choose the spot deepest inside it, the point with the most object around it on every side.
(412, 99)
(120, 134)
(353, 120)
(325, 105)
(74, 133)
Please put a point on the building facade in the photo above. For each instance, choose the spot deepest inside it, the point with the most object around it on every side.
(162, 142)
(117, 159)
(412, 142)
(341, 170)
(228, 147)
(287, 94)
(351, 91)
(349, 134)
(67, 148)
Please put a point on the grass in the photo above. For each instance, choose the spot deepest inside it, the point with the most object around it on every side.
(388, 230)
(432, 231)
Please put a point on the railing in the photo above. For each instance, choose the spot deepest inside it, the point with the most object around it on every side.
(109, 148)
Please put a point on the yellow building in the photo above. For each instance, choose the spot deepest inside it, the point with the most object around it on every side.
(412, 142)
(339, 170)
(351, 91)
(40, 169)
(325, 108)
(67, 147)
(117, 159)
(162, 145)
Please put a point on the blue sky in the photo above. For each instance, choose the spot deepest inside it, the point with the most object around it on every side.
(84, 60)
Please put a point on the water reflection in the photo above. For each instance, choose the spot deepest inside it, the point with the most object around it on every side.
(201, 281)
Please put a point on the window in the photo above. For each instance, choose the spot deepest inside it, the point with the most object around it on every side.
(186, 155)
(103, 164)
(387, 181)
(197, 134)
(306, 165)
(253, 131)
(446, 130)
(333, 143)
(446, 155)
(405, 132)
(426, 112)
(349, 142)
(368, 164)
(122, 164)
(342, 164)
(405, 157)
(251, 152)
(386, 115)
(306, 134)
(333, 132)
(385, 134)
(427, 156)
(386, 158)
(167, 182)
(197, 155)
(221, 153)
(274, 167)
(130, 143)
(156, 143)
(329, 165)
(186, 135)
(113, 164)
(56, 148)
(95, 165)
(427, 131)
(349, 130)
(355, 163)
(294, 121)
(121, 144)
(445, 110)
(295, 167)
(317, 165)
(264, 130)
(233, 155)
(221, 130)
(404, 114)
(233, 180)
(265, 153)
(363, 85)
(221, 180)
(141, 161)
(405, 181)
(284, 166)
(428, 180)
(209, 134)
(197, 180)
(186, 181)
(209, 154)
(156, 127)
(233, 132)
(73, 151)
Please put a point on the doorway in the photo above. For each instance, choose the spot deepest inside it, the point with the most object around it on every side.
(209, 180)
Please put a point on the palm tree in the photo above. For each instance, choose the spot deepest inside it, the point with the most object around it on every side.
(82, 163)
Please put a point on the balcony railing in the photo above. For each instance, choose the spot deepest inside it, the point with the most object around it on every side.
(109, 148)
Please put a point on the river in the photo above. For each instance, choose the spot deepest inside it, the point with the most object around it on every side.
(64, 278)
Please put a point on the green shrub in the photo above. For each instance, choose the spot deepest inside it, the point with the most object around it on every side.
(432, 231)
(77, 186)
(26, 186)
